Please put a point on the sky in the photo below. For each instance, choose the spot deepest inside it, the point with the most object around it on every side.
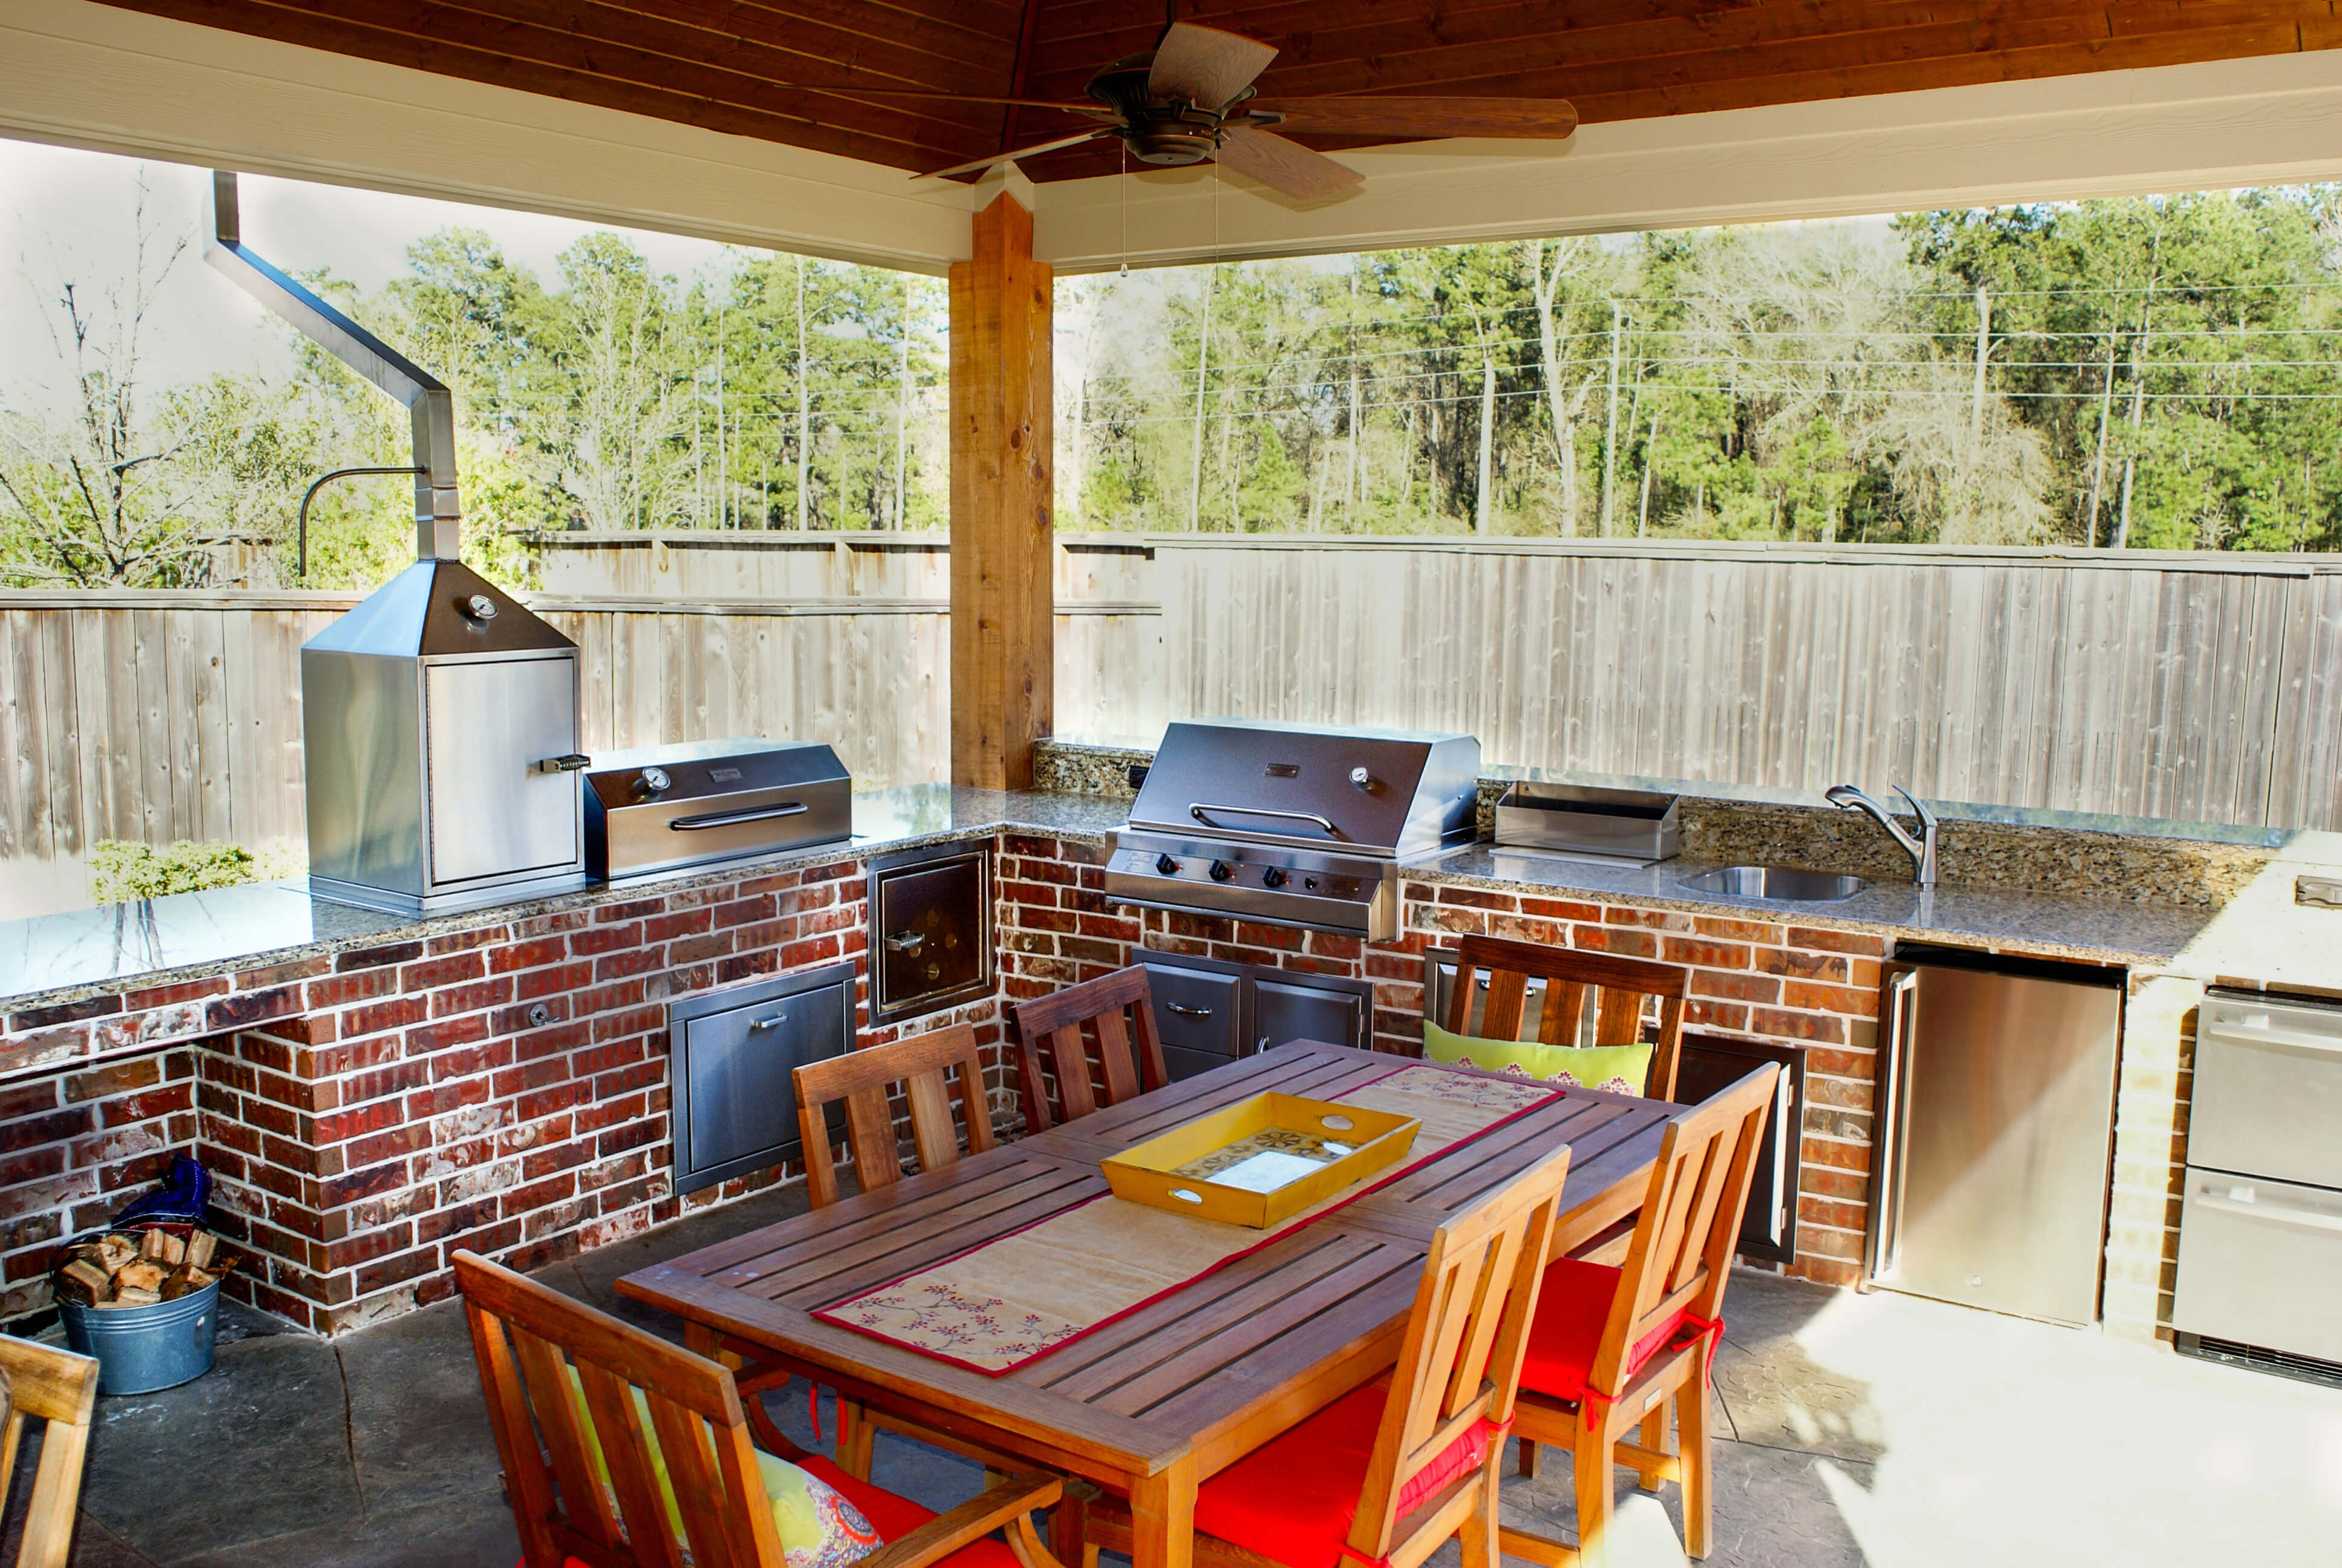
(67, 215)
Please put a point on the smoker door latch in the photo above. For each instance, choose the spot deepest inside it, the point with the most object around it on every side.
(906, 941)
(568, 763)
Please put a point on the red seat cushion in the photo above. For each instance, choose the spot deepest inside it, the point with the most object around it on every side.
(893, 1517)
(1294, 1498)
(1573, 1309)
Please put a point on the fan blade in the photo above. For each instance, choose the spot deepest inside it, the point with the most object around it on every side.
(1095, 111)
(1286, 167)
(1204, 66)
(970, 167)
(1427, 117)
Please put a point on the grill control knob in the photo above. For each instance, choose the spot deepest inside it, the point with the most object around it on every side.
(1165, 865)
(1274, 877)
(1222, 870)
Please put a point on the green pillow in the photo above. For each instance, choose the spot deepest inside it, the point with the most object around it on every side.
(817, 1527)
(1620, 1069)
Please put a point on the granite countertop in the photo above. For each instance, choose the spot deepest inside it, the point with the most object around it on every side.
(61, 957)
(2105, 930)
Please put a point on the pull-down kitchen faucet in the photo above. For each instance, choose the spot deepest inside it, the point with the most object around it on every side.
(1922, 849)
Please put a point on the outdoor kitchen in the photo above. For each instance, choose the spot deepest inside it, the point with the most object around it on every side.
(1027, 952)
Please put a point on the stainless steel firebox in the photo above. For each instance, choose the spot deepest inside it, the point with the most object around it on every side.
(439, 723)
(439, 718)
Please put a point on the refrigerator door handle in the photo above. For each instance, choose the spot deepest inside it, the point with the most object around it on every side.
(1887, 1151)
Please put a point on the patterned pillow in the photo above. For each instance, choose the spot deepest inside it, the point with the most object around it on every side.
(818, 1527)
(1619, 1069)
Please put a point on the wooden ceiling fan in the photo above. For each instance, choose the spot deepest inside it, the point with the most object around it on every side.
(1191, 98)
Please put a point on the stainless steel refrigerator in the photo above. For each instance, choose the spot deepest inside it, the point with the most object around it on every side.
(1995, 1143)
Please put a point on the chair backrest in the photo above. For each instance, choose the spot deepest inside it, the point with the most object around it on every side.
(60, 1388)
(1681, 1256)
(1575, 981)
(1460, 1361)
(862, 1078)
(528, 1340)
(1129, 1054)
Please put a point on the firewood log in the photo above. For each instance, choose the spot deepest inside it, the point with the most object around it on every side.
(130, 1296)
(83, 1281)
(201, 1245)
(186, 1280)
(112, 1252)
(141, 1275)
(161, 1246)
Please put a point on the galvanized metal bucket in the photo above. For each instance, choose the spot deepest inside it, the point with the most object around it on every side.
(140, 1349)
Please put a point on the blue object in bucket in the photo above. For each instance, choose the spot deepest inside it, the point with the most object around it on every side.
(184, 1194)
(143, 1348)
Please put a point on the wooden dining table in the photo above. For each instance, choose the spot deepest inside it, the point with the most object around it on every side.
(1155, 1402)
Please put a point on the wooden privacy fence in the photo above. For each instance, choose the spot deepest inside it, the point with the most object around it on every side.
(159, 716)
(2197, 687)
(2203, 687)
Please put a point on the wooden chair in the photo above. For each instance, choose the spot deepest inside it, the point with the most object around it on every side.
(1129, 1054)
(1615, 988)
(1609, 1347)
(59, 1388)
(862, 1079)
(530, 1341)
(1390, 1471)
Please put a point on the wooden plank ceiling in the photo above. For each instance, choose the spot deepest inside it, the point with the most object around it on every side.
(788, 70)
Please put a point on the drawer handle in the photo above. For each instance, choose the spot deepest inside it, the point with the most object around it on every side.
(2308, 1219)
(906, 941)
(759, 1026)
(1188, 1012)
(2297, 1039)
(746, 813)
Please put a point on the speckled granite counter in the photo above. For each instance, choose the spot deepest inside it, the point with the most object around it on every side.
(52, 962)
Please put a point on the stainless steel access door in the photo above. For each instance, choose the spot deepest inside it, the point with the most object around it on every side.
(487, 725)
(2260, 1262)
(1997, 1090)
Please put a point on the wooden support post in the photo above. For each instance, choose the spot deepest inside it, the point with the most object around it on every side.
(1001, 635)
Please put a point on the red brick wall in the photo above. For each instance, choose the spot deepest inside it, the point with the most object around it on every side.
(73, 1147)
(1806, 984)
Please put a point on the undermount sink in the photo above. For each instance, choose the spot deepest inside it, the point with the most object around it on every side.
(1785, 882)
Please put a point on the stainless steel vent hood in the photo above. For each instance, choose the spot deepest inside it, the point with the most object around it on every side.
(439, 718)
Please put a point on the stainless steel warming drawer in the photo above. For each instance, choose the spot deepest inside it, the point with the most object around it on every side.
(2260, 1218)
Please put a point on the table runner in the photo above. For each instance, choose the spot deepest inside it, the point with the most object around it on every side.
(1014, 1298)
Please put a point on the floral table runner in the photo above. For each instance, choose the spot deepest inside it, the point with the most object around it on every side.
(1017, 1297)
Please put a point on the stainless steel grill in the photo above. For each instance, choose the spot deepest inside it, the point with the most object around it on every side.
(659, 808)
(1291, 824)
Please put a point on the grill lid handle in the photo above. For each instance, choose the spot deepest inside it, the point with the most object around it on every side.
(727, 818)
(1198, 812)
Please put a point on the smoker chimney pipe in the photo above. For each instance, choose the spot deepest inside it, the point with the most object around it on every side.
(438, 511)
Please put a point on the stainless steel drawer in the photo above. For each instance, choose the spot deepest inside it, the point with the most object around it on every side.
(2268, 1089)
(2260, 1262)
(1196, 1016)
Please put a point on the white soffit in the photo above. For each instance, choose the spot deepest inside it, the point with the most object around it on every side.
(2271, 120)
(90, 75)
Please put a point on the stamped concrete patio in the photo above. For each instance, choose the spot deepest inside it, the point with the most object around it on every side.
(1879, 1430)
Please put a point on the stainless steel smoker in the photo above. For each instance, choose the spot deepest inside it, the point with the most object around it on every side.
(439, 718)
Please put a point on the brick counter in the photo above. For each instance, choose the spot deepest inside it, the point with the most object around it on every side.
(502, 1086)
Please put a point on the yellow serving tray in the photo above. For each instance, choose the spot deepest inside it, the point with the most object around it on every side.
(1164, 1172)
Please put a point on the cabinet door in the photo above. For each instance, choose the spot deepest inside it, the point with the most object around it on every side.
(1196, 1013)
(1709, 1063)
(734, 1055)
(1289, 1007)
(492, 813)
